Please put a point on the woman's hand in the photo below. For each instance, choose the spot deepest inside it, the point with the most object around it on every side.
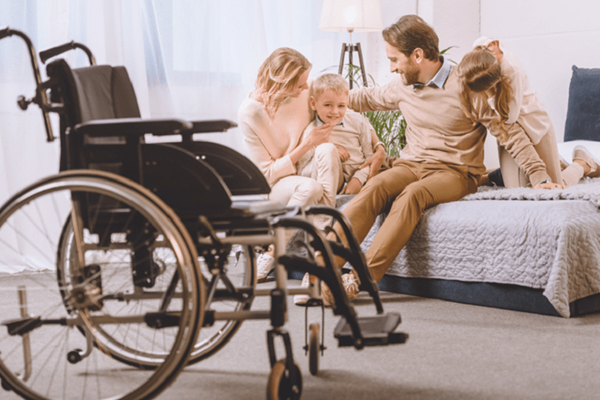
(375, 162)
(343, 153)
(549, 185)
(319, 135)
(352, 187)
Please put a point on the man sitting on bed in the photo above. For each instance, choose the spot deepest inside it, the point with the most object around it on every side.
(443, 157)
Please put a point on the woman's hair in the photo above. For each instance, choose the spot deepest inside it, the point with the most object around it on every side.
(411, 32)
(480, 71)
(328, 82)
(279, 74)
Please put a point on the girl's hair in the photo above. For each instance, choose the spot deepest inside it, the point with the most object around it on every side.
(327, 82)
(279, 74)
(480, 71)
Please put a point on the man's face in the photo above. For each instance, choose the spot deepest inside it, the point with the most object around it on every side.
(402, 65)
(331, 106)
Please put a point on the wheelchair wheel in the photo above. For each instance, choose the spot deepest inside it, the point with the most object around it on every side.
(314, 348)
(128, 281)
(279, 386)
(240, 270)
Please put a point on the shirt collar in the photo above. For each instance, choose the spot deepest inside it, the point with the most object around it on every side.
(320, 122)
(440, 78)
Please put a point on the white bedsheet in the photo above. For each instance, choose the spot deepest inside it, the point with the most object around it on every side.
(511, 236)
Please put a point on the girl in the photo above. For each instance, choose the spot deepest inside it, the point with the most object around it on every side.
(488, 70)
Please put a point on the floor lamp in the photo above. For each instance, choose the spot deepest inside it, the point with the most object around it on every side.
(351, 16)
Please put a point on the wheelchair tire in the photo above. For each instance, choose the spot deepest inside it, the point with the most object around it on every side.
(314, 348)
(40, 356)
(279, 386)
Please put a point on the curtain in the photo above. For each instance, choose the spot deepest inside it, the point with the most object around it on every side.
(186, 58)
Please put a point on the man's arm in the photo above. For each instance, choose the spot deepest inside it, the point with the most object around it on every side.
(383, 98)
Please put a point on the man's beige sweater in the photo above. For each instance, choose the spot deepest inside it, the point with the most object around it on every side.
(438, 131)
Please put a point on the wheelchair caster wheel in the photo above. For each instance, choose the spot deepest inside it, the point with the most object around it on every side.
(313, 348)
(74, 356)
(281, 386)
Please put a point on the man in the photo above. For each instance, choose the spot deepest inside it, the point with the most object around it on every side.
(443, 157)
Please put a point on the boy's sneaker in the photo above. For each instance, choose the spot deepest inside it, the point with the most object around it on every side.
(264, 265)
(351, 286)
(302, 299)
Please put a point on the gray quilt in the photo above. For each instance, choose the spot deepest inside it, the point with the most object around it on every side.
(542, 239)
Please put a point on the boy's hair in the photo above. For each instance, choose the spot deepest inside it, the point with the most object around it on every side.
(410, 32)
(328, 82)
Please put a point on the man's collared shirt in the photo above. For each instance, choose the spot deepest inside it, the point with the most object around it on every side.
(440, 78)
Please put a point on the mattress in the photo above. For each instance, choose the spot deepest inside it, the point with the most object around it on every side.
(540, 239)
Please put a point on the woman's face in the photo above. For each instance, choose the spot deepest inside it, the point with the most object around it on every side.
(300, 86)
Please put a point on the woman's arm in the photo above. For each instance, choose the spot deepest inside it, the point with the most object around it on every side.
(518, 145)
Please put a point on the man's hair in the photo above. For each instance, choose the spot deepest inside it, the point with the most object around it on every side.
(328, 82)
(410, 32)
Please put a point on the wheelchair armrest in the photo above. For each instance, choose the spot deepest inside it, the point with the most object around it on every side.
(133, 126)
(216, 125)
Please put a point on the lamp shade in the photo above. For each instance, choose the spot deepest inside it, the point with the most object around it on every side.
(351, 15)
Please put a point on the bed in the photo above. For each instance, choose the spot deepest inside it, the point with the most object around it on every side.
(519, 249)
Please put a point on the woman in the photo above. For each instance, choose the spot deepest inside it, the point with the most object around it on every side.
(272, 119)
(488, 70)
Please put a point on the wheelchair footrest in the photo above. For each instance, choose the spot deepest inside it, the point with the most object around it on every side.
(376, 331)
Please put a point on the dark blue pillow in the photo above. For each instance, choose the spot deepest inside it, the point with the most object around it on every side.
(583, 114)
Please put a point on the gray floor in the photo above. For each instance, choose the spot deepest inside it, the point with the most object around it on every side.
(455, 351)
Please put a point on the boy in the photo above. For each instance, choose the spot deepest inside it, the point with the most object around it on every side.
(352, 135)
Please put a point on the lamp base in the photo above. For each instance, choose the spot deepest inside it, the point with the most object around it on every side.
(350, 49)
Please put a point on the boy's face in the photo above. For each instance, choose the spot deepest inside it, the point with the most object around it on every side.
(331, 106)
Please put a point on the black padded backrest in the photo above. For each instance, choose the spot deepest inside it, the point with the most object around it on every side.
(92, 93)
(89, 93)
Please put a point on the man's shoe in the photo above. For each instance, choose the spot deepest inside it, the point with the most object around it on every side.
(302, 299)
(264, 265)
(351, 286)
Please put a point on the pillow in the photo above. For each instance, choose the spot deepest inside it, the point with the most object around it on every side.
(583, 113)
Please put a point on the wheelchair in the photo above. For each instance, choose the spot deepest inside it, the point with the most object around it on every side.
(138, 259)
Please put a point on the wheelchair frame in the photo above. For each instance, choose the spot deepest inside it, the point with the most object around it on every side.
(194, 232)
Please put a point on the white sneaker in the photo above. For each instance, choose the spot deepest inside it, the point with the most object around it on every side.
(264, 265)
(302, 299)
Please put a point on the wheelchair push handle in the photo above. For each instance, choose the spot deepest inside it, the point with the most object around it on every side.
(40, 98)
(4, 32)
(55, 51)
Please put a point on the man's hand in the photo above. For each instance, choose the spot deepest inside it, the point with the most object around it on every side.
(344, 155)
(375, 162)
(352, 187)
